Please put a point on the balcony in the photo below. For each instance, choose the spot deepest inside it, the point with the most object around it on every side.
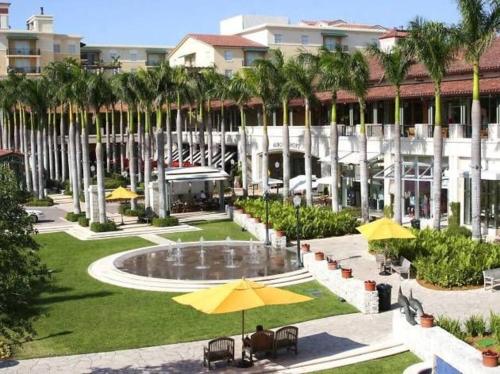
(23, 52)
(25, 69)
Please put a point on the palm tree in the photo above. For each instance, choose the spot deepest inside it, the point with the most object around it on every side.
(435, 46)
(198, 88)
(396, 63)
(97, 91)
(220, 87)
(301, 73)
(333, 77)
(480, 22)
(259, 80)
(180, 86)
(210, 77)
(359, 76)
(241, 93)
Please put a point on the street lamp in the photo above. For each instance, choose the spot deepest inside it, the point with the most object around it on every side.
(297, 201)
(266, 201)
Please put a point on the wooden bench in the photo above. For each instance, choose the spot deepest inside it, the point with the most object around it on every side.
(260, 342)
(404, 267)
(220, 349)
(491, 279)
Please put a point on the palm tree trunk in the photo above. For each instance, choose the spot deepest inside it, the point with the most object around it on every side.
(201, 137)
(265, 151)
(147, 159)
(41, 156)
(34, 178)
(476, 157)
(64, 154)
(57, 169)
(222, 140)
(101, 198)
(178, 123)
(45, 145)
(85, 162)
(122, 141)
(29, 186)
(131, 156)
(398, 182)
(16, 129)
(108, 143)
(363, 163)
(162, 198)
(244, 163)
(209, 136)
(140, 149)
(438, 160)
(78, 148)
(308, 155)
(169, 137)
(334, 155)
(113, 141)
(73, 163)
(9, 134)
(51, 146)
(286, 152)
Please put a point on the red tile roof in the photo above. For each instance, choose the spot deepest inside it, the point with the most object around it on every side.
(235, 41)
(343, 24)
(394, 33)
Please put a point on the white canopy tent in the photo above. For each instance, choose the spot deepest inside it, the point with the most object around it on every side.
(298, 184)
(350, 157)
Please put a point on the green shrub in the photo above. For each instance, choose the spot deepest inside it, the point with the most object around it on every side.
(33, 202)
(5, 350)
(453, 326)
(459, 231)
(127, 211)
(112, 181)
(388, 211)
(315, 222)
(454, 217)
(103, 227)
(495, 325)
(73, 217)
(165, 222)
(475, 325)
(83, 221)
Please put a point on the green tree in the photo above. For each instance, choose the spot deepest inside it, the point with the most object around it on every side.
(477, 30)
(21, 271)
(396, 63)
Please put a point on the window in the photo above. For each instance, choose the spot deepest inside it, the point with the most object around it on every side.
(133, 55)
(228, 73)
(278, 38)
(251, 56)
(71, 48)
(329, 42)
(228, 55)
(57, 48)
(113, 54)
(304, 39)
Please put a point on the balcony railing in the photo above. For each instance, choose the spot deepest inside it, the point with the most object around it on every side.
(23, 52)
(25, 69)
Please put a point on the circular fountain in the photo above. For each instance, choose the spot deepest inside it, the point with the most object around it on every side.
(181, 267)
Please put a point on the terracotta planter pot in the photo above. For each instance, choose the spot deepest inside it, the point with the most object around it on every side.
(346, 273)
(370, 285)
(490, 359)
(305, 248)
(427, 321)
(257, 219)
(333, 265)
(280, 233)
(319, 256)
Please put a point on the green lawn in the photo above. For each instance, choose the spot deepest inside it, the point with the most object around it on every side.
(215, 230)
(388, 365)
(82, 315)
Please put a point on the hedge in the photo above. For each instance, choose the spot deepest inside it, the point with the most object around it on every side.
(165, 222)
(73, 217)
(315, 222)
(103, 227)
(34, 202)
(83, 221)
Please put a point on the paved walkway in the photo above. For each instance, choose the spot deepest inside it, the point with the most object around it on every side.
(352, 251)
(319, 340)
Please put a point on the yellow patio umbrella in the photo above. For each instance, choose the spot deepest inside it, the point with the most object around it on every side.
(384, 229)
(238, 296)
(121, 194)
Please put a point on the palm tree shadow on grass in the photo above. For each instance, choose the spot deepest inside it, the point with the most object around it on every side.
(57, 299)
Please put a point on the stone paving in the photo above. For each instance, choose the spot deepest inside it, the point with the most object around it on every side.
(317, 339)
(352, 251)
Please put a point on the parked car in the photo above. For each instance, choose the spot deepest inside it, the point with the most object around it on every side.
(36, 215)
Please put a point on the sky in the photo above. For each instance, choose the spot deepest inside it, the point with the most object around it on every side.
(165, 22)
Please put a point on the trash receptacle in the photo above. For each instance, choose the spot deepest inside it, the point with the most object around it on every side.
(384, 297)
(415, 223)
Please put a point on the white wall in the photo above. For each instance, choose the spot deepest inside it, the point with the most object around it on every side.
(205, 55)
(234, 25)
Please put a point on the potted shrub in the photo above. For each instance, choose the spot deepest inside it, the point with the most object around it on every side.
(370, 285)
(257, 219)
(490, 359)
(279, 231)
(427, 321)
(346, 273)
(5, 351)
(269, 225)
(319, 256)
(332, 264)
(306, 247)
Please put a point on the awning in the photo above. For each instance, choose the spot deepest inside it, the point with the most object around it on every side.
(298, 184)
(195, 174)
(21, 36)
(351, 157)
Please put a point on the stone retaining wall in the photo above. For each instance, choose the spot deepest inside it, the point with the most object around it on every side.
(429, 343)
(352, 289)
(257, 229)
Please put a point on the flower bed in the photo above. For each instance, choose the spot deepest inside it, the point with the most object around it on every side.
(443, 259)
(315, 222)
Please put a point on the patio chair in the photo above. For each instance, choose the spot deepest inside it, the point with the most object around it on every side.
(260, 342)
(404, 267)
(286, 338)
(220, 349)
(491, 279)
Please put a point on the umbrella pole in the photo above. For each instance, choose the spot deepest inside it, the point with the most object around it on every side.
(242, 325)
